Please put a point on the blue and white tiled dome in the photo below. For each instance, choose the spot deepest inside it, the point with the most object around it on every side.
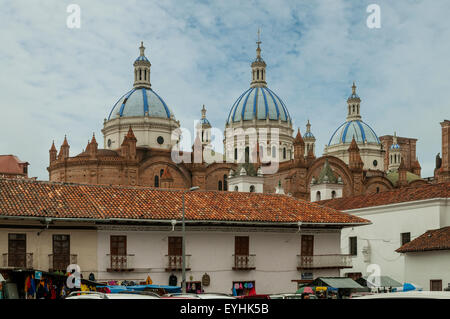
(140, 102)
(395, 147)
(259, 103)
(357, 128)
(308, 135)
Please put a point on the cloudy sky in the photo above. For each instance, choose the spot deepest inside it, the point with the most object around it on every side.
(56, 80)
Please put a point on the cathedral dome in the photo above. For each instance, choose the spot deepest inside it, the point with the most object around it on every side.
(258, 103)
(140, 102)
(356, 128)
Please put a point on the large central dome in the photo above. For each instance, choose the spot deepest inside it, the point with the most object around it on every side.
(260, 109)
(142, 110)
(140, 102)
(258, 103)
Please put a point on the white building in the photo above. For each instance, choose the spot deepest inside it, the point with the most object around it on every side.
(269, 242)
(397, 217)
(427, 259)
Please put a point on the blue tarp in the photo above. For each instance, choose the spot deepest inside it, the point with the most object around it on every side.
(169, 289)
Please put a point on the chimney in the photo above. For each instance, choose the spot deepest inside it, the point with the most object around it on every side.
(444, 171)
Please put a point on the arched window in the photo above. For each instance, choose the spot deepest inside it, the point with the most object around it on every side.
(274, 151)
(252, 188)
(378, 189)
(236, 188)
(247, 154)
(284, 152)
(353, 109)
(161, 172)
(318, 196)
(333, 194)
(220, 185)
(235, 154)
(156, 181)
(257, 74)
(140, 74)
(225, 183)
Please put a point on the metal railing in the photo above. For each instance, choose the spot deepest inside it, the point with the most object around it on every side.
(58, 262)
(120, 262)
(18, 260)
(244, 262)
(175, 262)
(324, 261)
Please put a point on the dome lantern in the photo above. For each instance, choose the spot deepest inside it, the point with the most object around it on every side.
(142, 70)
(258, 67)
(354, 103)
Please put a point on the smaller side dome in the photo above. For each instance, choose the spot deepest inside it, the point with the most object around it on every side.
(309, 134)
(395, 145)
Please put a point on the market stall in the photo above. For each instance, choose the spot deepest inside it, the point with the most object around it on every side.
(35, 284)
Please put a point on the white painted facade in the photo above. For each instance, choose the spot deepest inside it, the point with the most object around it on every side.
(146, 129)
(211, 251)
(422, 267)
(383, 237)
(325, 191)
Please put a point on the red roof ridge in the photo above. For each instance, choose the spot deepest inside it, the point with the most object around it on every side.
(435, 239)
(149, 203)
(382, 195)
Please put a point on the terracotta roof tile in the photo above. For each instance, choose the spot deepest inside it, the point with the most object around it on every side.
(401, 195)
(47, 199)
(437, 239)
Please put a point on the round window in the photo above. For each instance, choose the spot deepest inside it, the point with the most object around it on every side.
(375, 163)
(160, 140)
(109, 143)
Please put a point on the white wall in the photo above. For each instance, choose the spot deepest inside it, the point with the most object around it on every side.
(383, 235)
(421, 267)
(211, 252)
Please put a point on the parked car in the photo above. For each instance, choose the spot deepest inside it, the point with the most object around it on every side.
(254, 297)
(286, 296)
(198, 296)
(100, 295)
(409, 295)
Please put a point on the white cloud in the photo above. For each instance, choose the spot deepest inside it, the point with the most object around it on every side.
(58, 81)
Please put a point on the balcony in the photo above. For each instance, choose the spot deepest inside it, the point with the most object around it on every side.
(175, 262)
(243, 262)
(120, 263)
(324, 261)
(60, 262)
(23, 261)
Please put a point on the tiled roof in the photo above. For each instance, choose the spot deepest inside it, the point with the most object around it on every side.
(48, 199)
(437, 239)
(9, 164)
(400, 195)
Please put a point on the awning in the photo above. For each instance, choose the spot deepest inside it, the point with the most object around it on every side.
(338, 283)
(168, 289)
(381, 281)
